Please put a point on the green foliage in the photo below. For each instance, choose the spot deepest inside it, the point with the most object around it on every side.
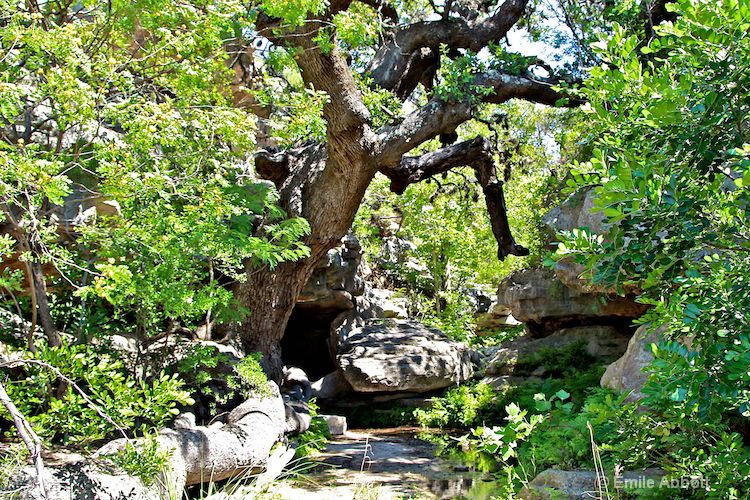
(12, 460)
(446, 218)
(132, 404)
(556, 361)
(315, 438)
(216, 382)
(569, 371)
(302, 117)
(154, 135)
(250, 372)
(143, 459)
(293, 12)
(380, 415)
(670, 168)
(504, 440)
(457, 78)
(459, 407)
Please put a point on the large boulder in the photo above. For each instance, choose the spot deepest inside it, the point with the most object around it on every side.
(601, 342)
(582, 484)
(579, 211)
(627, 373)
(196, 454)
(402, 356)
(539, 299)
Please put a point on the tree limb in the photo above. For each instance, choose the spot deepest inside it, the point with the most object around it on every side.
(392, 68)
(28, 436)
(383, 8)
(440, 116)
(321, 70)
(476, 153)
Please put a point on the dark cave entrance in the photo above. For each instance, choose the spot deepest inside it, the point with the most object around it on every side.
(306, 343)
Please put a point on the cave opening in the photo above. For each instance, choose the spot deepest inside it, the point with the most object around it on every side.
(307, 340)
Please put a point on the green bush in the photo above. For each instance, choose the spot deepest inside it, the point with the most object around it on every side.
(316, 437)
(460, 407)
(556, 361)
(134, 405)
(216, 388)
(380, 416)
(143, 459)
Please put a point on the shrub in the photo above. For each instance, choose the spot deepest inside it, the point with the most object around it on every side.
(460, 407)
(134, 405)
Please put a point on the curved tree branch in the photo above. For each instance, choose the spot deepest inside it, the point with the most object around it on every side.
(321, 70)
(439, 116)
(476, 153)
(393, 68)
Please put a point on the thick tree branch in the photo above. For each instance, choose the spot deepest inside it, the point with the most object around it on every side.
(321, 70)
(476, 153)
(393, 67)
(439, 116)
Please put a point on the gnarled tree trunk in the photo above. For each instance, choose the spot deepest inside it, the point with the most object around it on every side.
(325, 183)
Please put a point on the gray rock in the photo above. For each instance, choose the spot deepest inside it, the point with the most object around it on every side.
(82, 479)
(402, 356)
(298, 418)
(332, 386)
(381, 303)
(497, 316)
(336, 280)
(579, 484)
(538, 298)
(336, 424)
(561, 484)
(198, 453)
(576, 212)
(602, 342)
(627, 373)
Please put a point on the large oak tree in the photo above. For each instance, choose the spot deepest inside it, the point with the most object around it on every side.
(324, 181)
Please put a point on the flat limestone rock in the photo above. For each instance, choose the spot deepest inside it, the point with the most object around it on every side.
(402, 356)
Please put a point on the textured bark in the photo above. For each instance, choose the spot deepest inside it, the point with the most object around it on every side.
(42, 304)
(325, 183)
(391, 67)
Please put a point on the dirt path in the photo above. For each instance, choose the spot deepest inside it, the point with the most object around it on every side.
(382, 464)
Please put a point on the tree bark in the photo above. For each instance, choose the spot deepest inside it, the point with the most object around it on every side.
(42, 304)
(325, 183)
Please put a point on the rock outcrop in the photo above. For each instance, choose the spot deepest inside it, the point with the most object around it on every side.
(197, 454)
(334, 301)
(601, 343)
(580, 484)
(402, 356)
(627, 373)
(577, 211)
(80, 479)
(220, 451)
(539, 299)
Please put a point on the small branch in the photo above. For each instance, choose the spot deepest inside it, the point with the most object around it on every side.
(89, 401)
(476, 153)
(29, 438)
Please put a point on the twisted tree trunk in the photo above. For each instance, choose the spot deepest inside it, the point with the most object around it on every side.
(325, 183)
